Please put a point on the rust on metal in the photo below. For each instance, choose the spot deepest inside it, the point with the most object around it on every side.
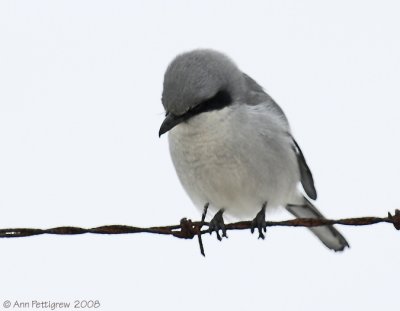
(188, 229)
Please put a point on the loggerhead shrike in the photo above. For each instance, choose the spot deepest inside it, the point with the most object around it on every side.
(232, 147)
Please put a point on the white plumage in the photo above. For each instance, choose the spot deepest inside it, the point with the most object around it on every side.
(236, 159)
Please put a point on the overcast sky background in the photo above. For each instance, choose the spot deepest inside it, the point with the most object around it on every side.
(80, 89)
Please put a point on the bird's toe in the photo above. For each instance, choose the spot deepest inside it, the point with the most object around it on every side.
(260, 223)
(217, 224)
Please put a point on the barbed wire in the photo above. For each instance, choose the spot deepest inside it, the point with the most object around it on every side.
(188, 229)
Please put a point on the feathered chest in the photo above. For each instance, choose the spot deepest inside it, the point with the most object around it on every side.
(206, 140)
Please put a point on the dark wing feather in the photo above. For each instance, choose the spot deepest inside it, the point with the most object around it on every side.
(305, 173)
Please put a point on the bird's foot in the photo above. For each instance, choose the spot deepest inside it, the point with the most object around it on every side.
(260, 223)
(216, 224)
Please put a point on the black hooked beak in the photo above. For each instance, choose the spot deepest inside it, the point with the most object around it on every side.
(170, 121)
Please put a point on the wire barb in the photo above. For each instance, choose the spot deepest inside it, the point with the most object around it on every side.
(395, 219)
(203, 218)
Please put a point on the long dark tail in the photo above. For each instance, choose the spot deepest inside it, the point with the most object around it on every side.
(327, 234)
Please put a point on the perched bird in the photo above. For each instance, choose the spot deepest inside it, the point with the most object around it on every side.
(232, 146)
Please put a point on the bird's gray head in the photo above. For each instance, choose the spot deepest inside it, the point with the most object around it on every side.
(196, 82)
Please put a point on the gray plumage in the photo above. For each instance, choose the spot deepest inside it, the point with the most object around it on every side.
(231, 144)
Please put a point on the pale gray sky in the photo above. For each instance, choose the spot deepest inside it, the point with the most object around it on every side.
(80, 89)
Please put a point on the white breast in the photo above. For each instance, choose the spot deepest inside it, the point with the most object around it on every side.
(236, 158)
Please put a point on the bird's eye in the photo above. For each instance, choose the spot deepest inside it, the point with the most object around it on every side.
(218, 101)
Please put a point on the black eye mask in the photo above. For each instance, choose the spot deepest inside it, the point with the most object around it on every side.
(219, 101)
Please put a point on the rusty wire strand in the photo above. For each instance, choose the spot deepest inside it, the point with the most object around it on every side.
(188, 229)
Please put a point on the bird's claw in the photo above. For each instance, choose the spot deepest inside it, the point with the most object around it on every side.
(260, 223)
(216, 224)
